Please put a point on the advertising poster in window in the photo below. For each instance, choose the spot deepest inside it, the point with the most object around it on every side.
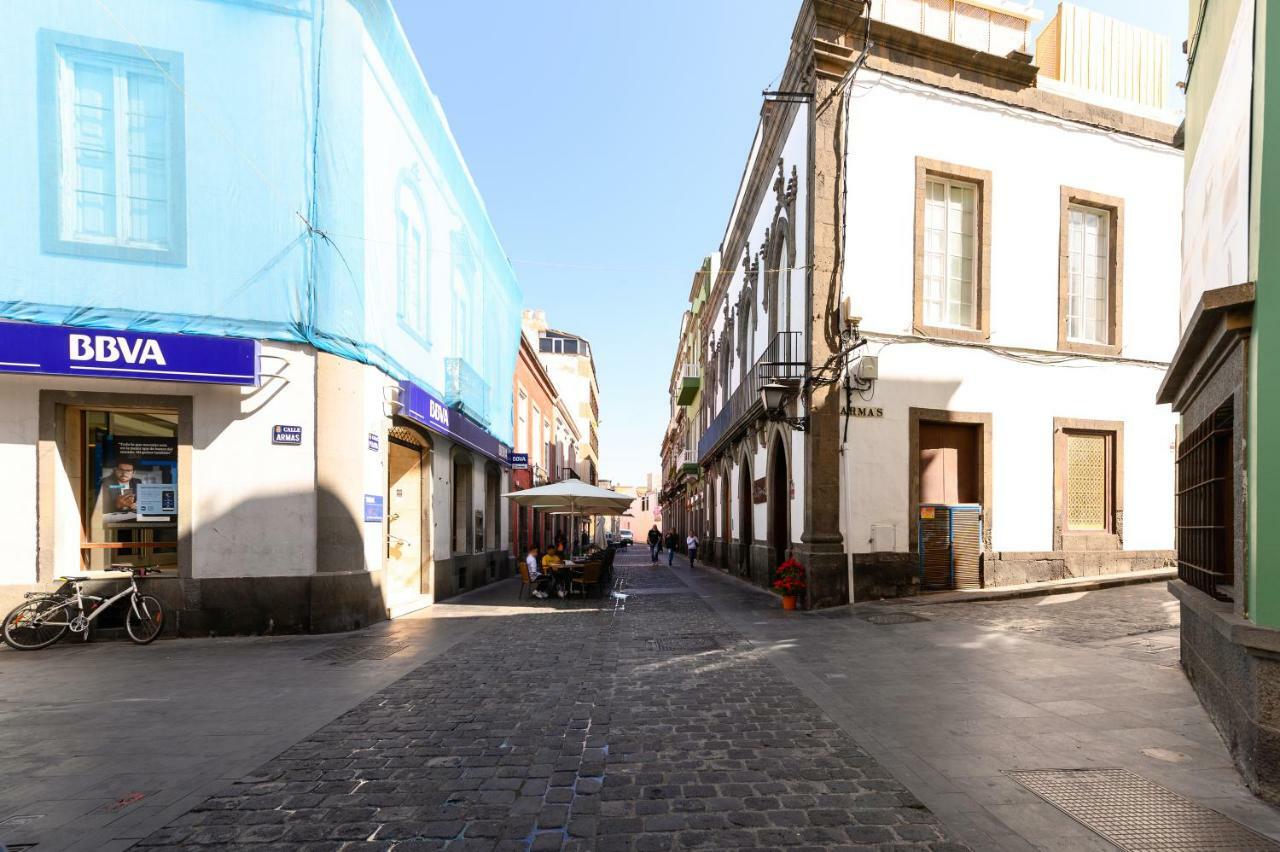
(139, 475)
(1215, 224)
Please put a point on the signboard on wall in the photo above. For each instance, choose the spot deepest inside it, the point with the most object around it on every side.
(423, 407)
(374, 509)
(97, 353)
(519, 461)
(287, 435)
(760, 491)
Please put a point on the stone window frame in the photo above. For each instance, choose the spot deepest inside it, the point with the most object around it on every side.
(982, 181)
(1113, 206)
(1113, 538)
(54, 452)
(982, 419)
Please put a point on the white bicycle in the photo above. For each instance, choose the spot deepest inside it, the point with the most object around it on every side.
(43, 617)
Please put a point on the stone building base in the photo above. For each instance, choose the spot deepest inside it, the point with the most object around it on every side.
(1234, 667)
(1009, 568)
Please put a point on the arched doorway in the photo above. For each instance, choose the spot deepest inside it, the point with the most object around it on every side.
(779, 503)
(726, 519)
(746, 534)
(408, 540)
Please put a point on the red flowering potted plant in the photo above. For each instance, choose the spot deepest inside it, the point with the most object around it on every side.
(788, 580)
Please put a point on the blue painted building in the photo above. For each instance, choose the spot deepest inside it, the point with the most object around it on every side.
(256, 327)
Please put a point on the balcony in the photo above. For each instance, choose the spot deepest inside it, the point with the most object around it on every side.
(465, 390)
(782, 360)
(688, 462)
(690, 383)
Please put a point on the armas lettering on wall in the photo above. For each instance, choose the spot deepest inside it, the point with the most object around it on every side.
(863, 411)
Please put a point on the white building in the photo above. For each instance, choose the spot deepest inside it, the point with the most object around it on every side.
(1010, 253)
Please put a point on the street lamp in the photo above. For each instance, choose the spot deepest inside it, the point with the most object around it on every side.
(773, 396)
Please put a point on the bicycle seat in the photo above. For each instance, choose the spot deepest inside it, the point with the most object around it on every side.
(75, 578)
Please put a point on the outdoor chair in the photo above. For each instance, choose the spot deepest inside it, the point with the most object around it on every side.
(525, 581)
(588, 578)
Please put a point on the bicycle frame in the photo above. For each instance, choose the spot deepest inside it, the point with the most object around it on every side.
(80, 597)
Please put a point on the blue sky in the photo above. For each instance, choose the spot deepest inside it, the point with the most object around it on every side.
(608, 139)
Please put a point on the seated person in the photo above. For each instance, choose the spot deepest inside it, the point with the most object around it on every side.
(553, 564)
(538, 581)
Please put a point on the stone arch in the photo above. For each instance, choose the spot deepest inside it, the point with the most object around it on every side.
(746, 515)
(778, 476)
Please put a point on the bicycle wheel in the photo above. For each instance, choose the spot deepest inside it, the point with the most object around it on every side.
(25, 628)
(144, 619)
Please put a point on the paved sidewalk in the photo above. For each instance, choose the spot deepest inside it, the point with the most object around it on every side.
(951, 703)
(650, 727)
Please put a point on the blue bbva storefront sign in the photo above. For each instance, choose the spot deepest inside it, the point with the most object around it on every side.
(422, 407)
(64, 351)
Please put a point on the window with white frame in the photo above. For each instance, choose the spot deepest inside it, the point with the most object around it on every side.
(1088, 274)
(411, 264)
(950, 253)
(538, 436)
(115, 154)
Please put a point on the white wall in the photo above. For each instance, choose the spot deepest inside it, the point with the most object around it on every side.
(1030, 157)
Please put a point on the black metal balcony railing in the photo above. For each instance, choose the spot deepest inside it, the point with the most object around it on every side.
(783, 359)
(464, 389)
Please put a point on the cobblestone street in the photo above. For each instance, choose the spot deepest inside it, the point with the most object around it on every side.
(694, 714)
(650, 727)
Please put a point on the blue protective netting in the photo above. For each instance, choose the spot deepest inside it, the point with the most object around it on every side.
(277, 169)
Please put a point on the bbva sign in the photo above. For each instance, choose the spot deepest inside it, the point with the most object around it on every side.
(110, 349)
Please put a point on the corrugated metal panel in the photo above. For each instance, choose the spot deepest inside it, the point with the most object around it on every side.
(966, 547)
(1103, 55)
(950, 546)
(1047, 54)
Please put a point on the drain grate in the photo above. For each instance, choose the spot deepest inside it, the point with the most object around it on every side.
(894, 618)
(685, 644)
(357, 652)
(1137, 815)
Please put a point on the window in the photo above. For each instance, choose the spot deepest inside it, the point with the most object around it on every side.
(522, 430)
(112, 148)
(411, 265)
(1087, 266)
(949, 253)
(1087, 484)
(1090, 272)
(465, 284)
(952, 251)
(1087, 491)
(462, 519)
(537, 438)
(1208, 490)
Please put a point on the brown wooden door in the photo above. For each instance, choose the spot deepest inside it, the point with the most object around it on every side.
(949, 463)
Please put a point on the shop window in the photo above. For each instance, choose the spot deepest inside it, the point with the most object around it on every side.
(127, 486)
(113, 150)
(491, 490)
(462, 519)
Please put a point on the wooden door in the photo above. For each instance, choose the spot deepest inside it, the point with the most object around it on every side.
(404, 524)
(949, 463)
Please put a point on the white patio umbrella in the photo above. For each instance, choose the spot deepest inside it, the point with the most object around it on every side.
(572, 497)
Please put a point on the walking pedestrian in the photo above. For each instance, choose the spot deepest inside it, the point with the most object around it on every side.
(671, 542)
(691, 544)
(655, 544)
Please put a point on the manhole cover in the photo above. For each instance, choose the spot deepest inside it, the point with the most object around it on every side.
(358, 651)
(1137, 815)
(685, 644)
(894, 618)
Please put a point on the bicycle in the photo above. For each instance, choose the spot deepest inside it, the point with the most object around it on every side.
(44, 617)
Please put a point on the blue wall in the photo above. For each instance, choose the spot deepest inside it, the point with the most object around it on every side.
(172, 176)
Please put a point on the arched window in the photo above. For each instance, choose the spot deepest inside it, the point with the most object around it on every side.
(467, 292)
(412, 295)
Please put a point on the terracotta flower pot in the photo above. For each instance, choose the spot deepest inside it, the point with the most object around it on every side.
(788, 601)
